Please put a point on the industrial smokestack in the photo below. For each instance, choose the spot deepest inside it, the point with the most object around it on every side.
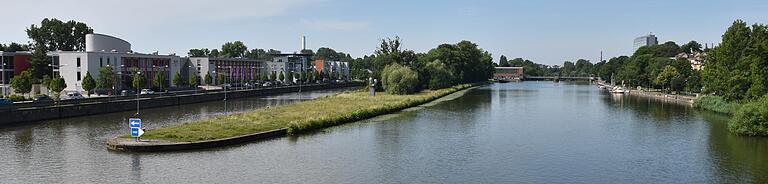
(303, 43)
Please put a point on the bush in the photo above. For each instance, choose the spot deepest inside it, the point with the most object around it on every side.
(715, 103)
(16, 98)
(751, 118)
(399, 79)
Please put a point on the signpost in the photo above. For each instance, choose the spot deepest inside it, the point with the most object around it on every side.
(136, 131)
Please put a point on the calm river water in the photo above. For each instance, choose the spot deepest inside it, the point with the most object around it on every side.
(530, 132)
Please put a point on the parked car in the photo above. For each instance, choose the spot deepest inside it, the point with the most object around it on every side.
(127, 92)
(41, 98)
(5, 101)
(266, 84)
(147, 92)
(75, 95)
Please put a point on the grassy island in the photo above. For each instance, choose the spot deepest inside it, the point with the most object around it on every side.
(297, 117)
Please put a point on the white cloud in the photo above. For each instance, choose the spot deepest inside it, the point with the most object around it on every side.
(335, 25)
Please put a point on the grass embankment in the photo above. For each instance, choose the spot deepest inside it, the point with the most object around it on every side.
(747, 118)
(297, 117)
(716, 103)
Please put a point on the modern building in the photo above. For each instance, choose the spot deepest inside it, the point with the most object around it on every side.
(285, 63)
(342, 68)
(233, 69)
(508, 73)
(108, 51)
(646, 40)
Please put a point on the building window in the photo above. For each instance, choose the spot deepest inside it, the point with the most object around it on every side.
(78, 76)
(101, 64)
(108, 61)
(78, 61)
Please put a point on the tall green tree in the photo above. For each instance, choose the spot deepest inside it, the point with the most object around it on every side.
(666, 76)
(55, 34)
(503, 62)
(88, 83)
(40, 62)
(726, 72)
(233, 49)
(281, 76)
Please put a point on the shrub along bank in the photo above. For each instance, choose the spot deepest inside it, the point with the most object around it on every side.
(298, 117)
(747, 118)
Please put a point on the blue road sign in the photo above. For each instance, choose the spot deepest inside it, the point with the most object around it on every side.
(135, 132)
(135, 122)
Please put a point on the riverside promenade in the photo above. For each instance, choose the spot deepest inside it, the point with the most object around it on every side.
(675, 98)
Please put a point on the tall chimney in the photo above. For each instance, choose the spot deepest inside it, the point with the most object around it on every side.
(303, 43)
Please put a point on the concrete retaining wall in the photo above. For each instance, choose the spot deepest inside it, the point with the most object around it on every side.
(74, 110)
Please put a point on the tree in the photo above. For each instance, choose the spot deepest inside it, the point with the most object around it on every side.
(214, 53)
(159, 80)
(282, 76)
(273, 76)
(194, 81)
(503, 62)
(88, 83)
(726, 72)
(198, 52)
(289, 76)
(56, 86)
(233, 49)
(46, 80)
(690, 47)
(22, 84)
(399, 79)
(439, 76)
(106, 78)
(328, 54)
(208, 79)
(13, 47)
(177, 80)
(40, 62)
(221, 79)
(54, 34)
(666, 76)
(139, 81)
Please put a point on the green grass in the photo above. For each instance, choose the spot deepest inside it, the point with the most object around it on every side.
(716, 103)
(298, 117)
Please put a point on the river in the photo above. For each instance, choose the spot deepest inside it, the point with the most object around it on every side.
(529, 132)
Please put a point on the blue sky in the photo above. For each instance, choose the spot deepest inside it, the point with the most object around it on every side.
(548, 31)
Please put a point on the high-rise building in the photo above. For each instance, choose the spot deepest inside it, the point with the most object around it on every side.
(646, 40)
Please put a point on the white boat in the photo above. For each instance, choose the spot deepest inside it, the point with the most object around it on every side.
(619, 90)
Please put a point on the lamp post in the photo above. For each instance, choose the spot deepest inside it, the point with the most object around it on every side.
(137, 97)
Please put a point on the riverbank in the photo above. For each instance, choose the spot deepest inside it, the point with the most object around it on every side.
(674, 98)
(279, 121)
(34, 114)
